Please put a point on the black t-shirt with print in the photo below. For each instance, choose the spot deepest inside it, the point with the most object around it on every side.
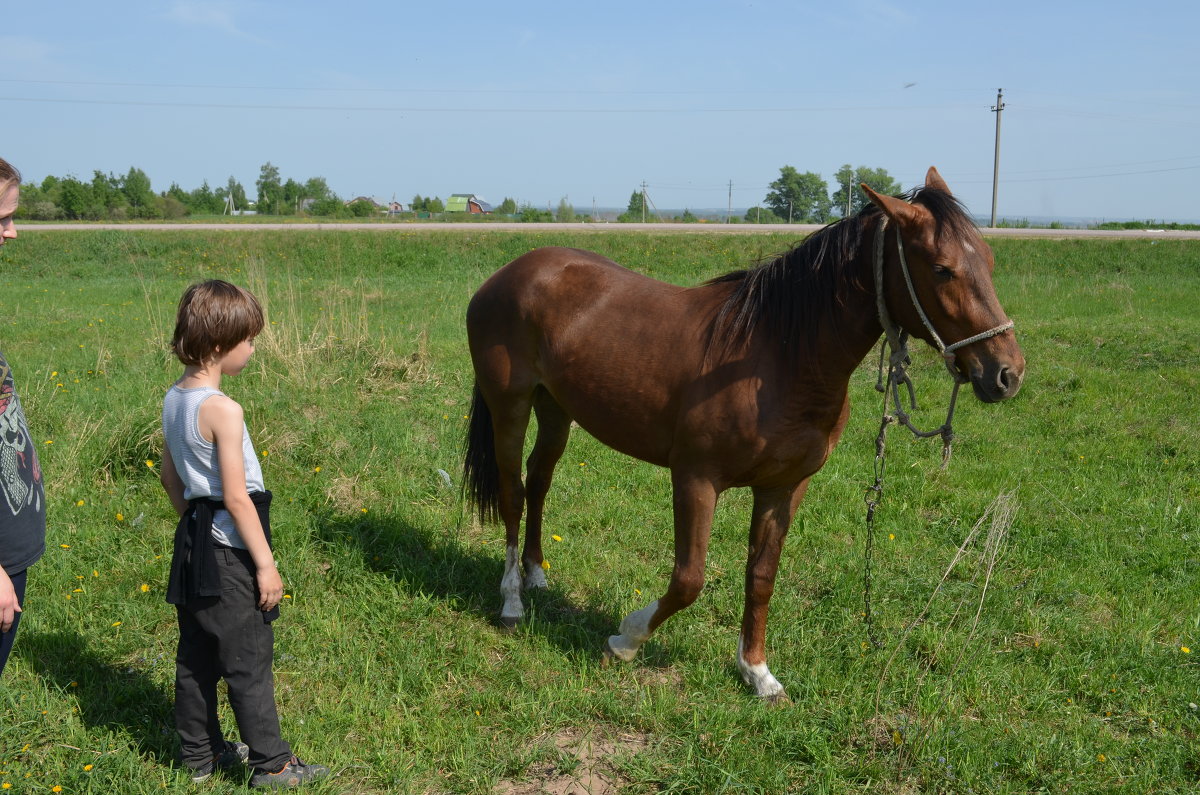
(22, 497)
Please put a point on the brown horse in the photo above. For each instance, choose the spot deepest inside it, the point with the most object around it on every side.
(741, 381)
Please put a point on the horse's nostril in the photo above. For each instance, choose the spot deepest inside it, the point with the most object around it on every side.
(1003, 378)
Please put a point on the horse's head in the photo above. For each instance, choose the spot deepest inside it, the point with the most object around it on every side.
(949, 281)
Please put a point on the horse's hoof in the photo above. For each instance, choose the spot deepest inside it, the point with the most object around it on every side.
(509, 623)
(780, 699)
(609, 656)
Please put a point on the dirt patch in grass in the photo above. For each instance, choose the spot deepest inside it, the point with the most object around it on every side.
(587, 764)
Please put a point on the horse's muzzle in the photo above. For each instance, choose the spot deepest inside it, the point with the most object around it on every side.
(996, 382)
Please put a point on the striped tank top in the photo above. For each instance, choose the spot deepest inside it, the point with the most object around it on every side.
(196, 458)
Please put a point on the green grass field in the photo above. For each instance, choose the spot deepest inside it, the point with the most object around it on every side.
(1074, 670)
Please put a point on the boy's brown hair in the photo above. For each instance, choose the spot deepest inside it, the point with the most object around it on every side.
(214, 316)
(8, 174)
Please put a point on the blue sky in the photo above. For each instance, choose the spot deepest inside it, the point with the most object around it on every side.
(541, 100)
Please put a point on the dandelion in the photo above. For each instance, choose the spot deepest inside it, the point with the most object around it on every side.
(77, 590)
(1185, 650)
(637, 591)
(891, 536)
(557, 538)
(364, 510)
(116, 623)
(49, 441)
(56, 788)
(79, 503)
(120, 517)
(316, 469)
(1101, 758)
(6, 785)
(266, 453)
(145, 588)
(546, 565)
(65, 546)
(149, 463)
(87, 768)
(54, 374)
(95, 573)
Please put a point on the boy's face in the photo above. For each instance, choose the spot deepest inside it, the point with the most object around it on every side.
(9, 195)
(234, 361)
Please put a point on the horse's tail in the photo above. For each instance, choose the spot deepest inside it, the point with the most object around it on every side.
(481, 476)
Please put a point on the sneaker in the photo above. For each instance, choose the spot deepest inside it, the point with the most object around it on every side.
(233, 754)
(293, 773)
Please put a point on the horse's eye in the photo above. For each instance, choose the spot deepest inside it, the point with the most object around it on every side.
(942, 272)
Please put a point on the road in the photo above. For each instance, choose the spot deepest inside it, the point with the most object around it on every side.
(799, 230)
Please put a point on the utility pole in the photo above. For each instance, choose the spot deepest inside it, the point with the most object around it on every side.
(729, 207)
(998, 108)
(643, 201)
(849, 188)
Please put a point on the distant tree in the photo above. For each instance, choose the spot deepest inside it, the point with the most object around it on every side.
(848, 179)
(291, 194)
(635, 213)
(75, 199)
(802, 198)
(203, 201)
(435, 205)
(762, 215)
(270, 190)
(688, 217)
(107, 193)
(316, 188)
(565, 212)
(530, 214)
(507, 207)
(330, 206)
(362, 208)
(234, 190)
(136, 188)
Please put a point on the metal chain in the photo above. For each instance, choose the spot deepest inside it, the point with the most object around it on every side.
(874, 496)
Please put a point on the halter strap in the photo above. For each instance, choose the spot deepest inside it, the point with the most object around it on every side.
(893, 331)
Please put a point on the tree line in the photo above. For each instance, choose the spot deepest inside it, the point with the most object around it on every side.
(793, 198)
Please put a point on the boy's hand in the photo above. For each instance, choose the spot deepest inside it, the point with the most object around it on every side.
(270, 588)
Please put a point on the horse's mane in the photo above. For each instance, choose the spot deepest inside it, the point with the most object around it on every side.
(789, 296)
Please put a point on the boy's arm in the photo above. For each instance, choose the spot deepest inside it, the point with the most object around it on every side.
(171, 482)
(8, 602)
(223, 417)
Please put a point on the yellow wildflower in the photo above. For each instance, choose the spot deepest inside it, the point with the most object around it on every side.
(116, 623)
(557, 538)
(87, 768)
(1185, 650)
(120, 517)
(145, 588)
(149, 463)
(546, 565)
(79, 503)
(65, 546)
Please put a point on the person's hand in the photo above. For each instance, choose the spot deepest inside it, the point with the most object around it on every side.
(8, 602)
(270, 588)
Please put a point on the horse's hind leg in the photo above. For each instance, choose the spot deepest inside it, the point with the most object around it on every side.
(554, 427)
(510, 417)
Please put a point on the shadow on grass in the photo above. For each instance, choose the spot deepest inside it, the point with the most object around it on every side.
(434, 563)
(110, 696)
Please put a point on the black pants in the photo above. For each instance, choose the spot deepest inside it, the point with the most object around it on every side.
(7, 638)
(226, 638)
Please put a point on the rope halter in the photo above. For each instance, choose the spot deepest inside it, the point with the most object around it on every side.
(897, 339)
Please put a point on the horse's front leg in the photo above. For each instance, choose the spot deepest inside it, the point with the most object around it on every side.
(773, 512)
(694, 501)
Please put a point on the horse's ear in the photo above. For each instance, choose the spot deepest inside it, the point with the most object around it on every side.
(898, 210)
(934, 180)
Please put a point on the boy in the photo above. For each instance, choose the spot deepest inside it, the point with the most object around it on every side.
(23, 504)
(223, 578)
